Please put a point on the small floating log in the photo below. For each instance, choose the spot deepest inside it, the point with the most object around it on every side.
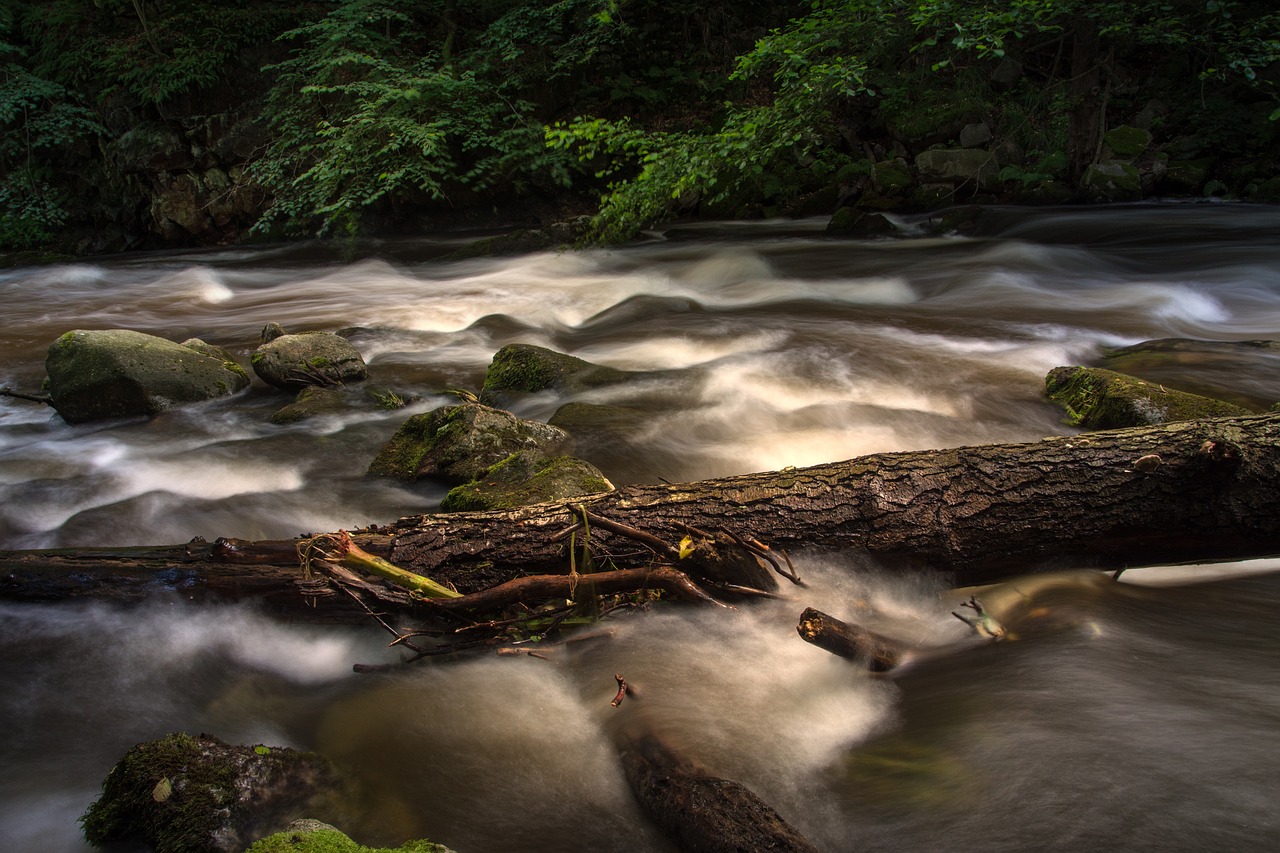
(849, 641)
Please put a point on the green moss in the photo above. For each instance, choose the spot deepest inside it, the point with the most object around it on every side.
(1103, 399)
(235, 367)
(330, 840)
(524, 478)
(1126, 141)
(184, 819)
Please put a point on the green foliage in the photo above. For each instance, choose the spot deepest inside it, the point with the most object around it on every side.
(36, 118)
(372, 111)
(152, 52)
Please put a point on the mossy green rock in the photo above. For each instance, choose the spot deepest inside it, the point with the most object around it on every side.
(114, 373)
(524, 478)
(312, 836)
(185, 794)
(293, 362)
(1103, 399)
(854, 222)
(1246, 373)
(1113, 181)
(892, 176)
(457, 444)
(521, 369)
(1125, 142)
(314, 401)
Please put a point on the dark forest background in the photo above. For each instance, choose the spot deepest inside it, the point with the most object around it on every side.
(128, 124)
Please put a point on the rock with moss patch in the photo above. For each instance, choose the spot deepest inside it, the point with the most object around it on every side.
(1125, 143)
(313, 836)
(314, 401)
(1103, 399)
(113, 373)
(185, 794)
(293, 362)
(524, 478)
(521, 369)
(1246, 373)
(970, 169)
(1112, 181)
(457, 444)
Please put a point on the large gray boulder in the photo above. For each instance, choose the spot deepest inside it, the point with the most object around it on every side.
(294, 362)
(111, 373)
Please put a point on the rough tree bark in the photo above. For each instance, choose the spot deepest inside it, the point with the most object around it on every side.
(1199, 490)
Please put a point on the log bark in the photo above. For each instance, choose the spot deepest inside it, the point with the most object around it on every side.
(1204, 490)
(1211, 492)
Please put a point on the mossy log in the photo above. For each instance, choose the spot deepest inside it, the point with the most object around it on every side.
(1193, 491)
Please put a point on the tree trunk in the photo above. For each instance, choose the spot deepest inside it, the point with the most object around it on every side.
(980, 513)
(1084, 122)
(1204, 490)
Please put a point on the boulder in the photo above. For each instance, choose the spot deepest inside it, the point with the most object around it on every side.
(113, 373)
(1126, 143)
(458, 444)
(1103, 399)
(1113, 180)
(518, 370)
(314, 401)
(527, 477)
(185, 794)
(1246, 373)
(293, 362)
(970, 167)
(313, 836)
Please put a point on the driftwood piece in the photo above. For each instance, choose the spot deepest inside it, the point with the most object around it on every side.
(980, 513)
(849, 641)
(702, 812)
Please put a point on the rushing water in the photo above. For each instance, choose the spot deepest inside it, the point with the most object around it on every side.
(1146, 720)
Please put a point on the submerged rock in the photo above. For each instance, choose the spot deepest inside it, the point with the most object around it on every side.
(524, 478)
(314, 401)
(293, 362)
(1246, 373)
(1103, 399)
(185, 794)
(458, 444)
(114, 373)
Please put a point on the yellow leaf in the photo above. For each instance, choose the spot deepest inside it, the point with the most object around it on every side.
(162, 790)
(686, 546)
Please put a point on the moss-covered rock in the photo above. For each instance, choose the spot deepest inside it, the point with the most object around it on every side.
(524, 478)
(1103, 399)
(313, 836)
(119, 373)
(1246, 373)
(1125, 143)
(293, 362)
(1187, 176)
(521, 369)
(892, 177)
(457, 444)
(854, 222)
(185, 794)
(314, 401)
(1112, 181)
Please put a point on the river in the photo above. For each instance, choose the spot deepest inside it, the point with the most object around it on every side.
(1149, 719)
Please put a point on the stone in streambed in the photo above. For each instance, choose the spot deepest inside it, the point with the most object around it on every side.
(111, 373)
(1103, 399)
(313, 836)
(1246, 373)
(458, 444)
(524, 478)
(185, 794)
(314, 401)
(294, 362)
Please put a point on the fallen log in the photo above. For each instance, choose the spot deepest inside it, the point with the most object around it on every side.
(1193, 491)
(880, 653)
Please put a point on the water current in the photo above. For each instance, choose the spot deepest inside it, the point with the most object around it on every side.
(1148, 720)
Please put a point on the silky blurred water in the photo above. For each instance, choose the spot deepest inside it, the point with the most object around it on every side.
(1136, 718)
